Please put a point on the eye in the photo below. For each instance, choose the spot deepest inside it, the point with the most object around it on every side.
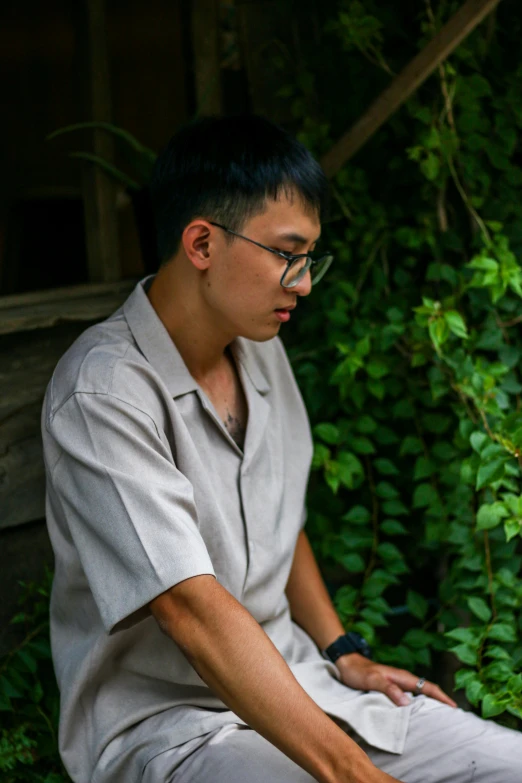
(287, 253)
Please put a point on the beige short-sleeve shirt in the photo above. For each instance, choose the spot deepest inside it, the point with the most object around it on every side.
(146, 488)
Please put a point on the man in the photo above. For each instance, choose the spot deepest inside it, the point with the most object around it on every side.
(188, 614)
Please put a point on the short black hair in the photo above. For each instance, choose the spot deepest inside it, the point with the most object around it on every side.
(224, 169)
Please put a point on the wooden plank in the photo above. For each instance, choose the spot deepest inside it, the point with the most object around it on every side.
(415, 73)
(206, 45)
(101, 226)
(42, 309)
(26, 365)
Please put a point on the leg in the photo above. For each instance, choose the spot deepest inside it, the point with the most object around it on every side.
(232, 754)
(452, 746)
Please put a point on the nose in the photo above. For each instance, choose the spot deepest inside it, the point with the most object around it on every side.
(304, 286)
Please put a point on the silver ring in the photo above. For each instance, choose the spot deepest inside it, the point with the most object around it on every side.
(420, 685)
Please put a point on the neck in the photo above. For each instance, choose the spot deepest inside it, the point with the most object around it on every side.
(179, 306)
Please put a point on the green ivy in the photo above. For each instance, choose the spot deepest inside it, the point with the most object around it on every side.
(29, 698)
(408, 353)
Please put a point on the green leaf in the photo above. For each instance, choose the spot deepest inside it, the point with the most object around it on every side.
(417, 604)
(327, 432)
(411, 445)
(424, 495)
(464, 676)
(478, 440)
(353, 563)
(498, 653)
(502, 632)
(465, 635)
(439, 332)
(392, 527)
(394, 508)
(385, 467)
(386, 491)
(416, 637)
(490, 472)
(377, 583)
(109, 168)
(348, 466)
(321, 455)
(358, 515)
(456, 323)
(377, 368)
(376, 388)
(362, 445)
(466, 654)
(365, 424)
(512, 528)
(27, 659)
(475, 690)
(430, 166)
(492, 706)
(424, 467)
(8, 689)
(480, 608)
(374, 618)
(389, 551)
(490, 515)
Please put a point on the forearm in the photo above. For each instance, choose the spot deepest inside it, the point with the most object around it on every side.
(310, 605)
(237, 660)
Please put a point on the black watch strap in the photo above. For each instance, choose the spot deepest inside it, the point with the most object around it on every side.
(348, 643)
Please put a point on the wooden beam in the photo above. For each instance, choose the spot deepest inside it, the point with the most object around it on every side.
(206, 45)
(42, 309)
(101, 226)
(416, 72)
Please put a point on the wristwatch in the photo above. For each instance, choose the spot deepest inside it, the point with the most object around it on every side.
(348, 643)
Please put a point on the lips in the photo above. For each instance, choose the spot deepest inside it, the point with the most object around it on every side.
(283, 313)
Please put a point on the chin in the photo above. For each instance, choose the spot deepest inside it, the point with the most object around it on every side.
(261, 334)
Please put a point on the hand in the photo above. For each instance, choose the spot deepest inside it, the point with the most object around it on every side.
(362, 674)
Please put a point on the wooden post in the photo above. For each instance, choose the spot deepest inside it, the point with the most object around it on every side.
(261, 39)
(99, 191)
(206, 46)
(411, 77)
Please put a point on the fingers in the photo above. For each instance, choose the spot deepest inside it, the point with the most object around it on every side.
(396, 695)
(432, 690)
(394, 682)
(408, 682)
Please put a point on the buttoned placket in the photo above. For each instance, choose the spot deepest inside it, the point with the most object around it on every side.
(258, 411)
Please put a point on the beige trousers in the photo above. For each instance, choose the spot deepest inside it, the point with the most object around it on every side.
(443, 745)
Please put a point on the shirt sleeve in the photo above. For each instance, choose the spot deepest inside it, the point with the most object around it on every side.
(129, 510)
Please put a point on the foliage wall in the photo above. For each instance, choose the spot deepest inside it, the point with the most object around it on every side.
(408, 353)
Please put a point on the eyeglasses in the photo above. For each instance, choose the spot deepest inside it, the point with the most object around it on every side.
(296, 265)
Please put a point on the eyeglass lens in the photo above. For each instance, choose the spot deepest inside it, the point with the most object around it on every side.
(298, 269)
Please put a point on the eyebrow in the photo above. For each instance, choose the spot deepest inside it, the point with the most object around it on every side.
(297, 238)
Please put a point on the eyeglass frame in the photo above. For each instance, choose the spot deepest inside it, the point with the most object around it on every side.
(290, 258)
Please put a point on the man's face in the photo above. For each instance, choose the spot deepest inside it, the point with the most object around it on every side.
(242, 283)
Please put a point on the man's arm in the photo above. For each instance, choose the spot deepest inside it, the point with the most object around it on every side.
(237, 660)
(311, 608)
(310, 605)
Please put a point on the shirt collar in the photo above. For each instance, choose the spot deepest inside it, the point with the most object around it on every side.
(158, 348)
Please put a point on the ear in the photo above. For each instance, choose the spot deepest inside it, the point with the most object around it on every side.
(197, 244)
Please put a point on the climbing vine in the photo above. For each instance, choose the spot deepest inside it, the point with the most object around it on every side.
(409, 354)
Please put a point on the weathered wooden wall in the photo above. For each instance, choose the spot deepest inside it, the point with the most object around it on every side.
(35, 330)
(49, 63)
